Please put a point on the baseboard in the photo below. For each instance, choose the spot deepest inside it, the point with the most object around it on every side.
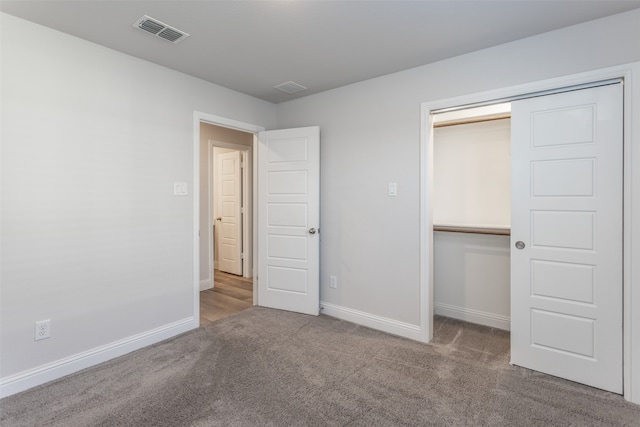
(206, 284)
(51, 371)
(474, 316)
(372, 321)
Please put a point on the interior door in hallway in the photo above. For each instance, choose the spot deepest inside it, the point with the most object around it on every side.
(288, 219)
(229, 211)
(566, 239)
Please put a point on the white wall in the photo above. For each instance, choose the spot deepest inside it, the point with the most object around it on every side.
(472, 278)
(371, 136)
(92, 236)
(471, 174)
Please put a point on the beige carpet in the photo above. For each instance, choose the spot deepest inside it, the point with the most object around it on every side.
(266, 367)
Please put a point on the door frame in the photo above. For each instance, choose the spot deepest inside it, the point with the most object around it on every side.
(202, 117)
(247, 188)
(631, 202)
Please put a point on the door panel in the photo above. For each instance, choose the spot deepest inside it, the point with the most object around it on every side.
(229, 211)
(288, 208)
(566, 283)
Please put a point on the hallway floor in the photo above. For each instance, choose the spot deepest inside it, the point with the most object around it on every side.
(230, 294)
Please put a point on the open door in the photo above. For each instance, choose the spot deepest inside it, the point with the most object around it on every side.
(289, 219)
(566, 239)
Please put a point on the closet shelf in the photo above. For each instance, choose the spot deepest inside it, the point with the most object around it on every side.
(473, 230)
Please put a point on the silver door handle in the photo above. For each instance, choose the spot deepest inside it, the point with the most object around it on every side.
(519, 244)
(312, 231)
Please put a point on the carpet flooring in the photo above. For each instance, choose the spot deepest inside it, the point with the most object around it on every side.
(265, 367)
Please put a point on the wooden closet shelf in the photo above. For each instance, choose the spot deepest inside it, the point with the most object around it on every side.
(473, 230)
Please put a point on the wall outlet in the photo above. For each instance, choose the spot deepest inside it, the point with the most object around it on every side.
(334, 282)
(43, 329)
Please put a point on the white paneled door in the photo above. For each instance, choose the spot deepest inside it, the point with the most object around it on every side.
(566, 239)
(229, 211)
(289, 219)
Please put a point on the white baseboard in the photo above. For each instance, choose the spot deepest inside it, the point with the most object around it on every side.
(206, 284)
(372, 321)
(51, 371)
(474, 316)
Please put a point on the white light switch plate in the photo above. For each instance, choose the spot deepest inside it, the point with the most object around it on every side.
(180, 189)
(393, 189)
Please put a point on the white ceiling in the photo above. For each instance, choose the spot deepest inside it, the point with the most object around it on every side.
(252, 46)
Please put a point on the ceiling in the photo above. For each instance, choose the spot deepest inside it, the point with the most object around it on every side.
(252, 46)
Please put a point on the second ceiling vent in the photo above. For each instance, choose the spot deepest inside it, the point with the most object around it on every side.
(160, 29)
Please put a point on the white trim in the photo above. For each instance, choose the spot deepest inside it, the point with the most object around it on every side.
(206, 284)
(227, 123)
(380, 323)
(474, 316)
(426, 225)
(197, 117)
(247, 217)
(631, 290)
(210, 213)
(631, 285)
(229, 145)
(254, 222)
(536, 94)
(51, 371)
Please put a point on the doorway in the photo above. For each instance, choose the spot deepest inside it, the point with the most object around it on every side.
(286, 223)
(471, 215)
(226, 201)
(226, 192)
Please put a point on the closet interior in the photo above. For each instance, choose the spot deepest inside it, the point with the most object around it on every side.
(471, 214)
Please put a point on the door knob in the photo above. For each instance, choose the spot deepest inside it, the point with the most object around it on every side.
(312, 231)
(219, 218)
(520, 244)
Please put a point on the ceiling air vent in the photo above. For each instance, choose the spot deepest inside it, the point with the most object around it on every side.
(160, 29)
(290, 87)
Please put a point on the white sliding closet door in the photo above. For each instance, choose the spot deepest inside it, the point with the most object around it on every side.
(566, 240)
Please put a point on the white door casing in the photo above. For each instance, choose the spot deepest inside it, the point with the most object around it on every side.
(229, 208)
(288, 219)
(566, 283)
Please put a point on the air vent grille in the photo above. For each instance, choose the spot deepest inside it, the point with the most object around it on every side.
(290, 87)
(160, 29)
(169, 34)
(151, 26)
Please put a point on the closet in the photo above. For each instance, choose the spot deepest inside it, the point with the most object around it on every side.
(557, 256)
(471, 215)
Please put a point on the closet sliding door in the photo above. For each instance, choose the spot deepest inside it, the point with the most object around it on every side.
(566, 235)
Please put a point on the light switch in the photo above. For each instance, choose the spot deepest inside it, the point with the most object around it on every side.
(179, 188)
(393, 189)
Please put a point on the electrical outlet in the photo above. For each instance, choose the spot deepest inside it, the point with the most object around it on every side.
(43, 329)
(334, 282)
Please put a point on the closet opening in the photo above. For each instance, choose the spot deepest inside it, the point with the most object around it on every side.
(569, 221)
(472, 214)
